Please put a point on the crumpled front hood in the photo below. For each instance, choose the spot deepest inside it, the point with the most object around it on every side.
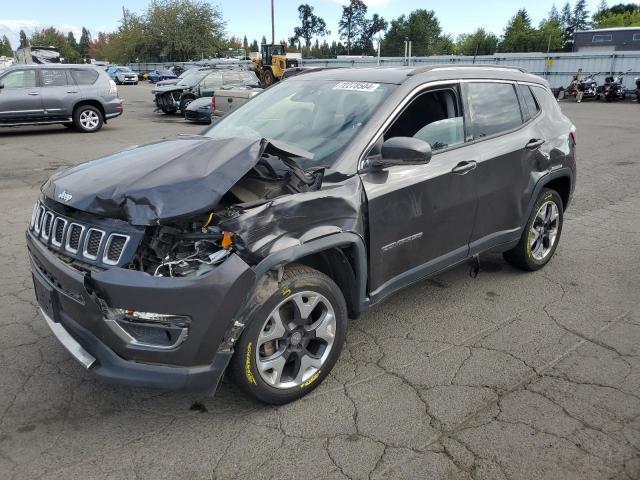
(159, 181)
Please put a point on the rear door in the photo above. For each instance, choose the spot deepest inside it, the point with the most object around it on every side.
(20, 97)
(506, 144)
(59, 93)
(210, 84)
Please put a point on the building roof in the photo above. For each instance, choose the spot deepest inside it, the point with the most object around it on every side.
(613, 29)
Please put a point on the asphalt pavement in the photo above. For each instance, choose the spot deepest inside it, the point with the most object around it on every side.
(510, 375)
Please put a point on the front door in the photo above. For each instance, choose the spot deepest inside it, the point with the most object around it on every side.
(421, 216)
(20, 97)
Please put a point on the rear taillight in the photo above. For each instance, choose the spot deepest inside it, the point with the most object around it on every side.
(573, 133)
(113, 90)
(213, 104)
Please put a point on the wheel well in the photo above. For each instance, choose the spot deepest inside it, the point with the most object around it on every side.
(337, 264)
(562, 185)
(93, 103)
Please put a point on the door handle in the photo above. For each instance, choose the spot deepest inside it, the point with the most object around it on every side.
(534, 144)
(33, 93)
(464, 167)
(72, 91)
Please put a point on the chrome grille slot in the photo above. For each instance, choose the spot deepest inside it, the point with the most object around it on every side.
(58, 231)
(47, 223)
(74, 234)
(114, 248)
(92, 243)
(38, 223)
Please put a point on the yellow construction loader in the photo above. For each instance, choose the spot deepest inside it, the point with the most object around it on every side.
(272, 63)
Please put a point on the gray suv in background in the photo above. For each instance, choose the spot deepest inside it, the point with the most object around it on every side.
(73, 95)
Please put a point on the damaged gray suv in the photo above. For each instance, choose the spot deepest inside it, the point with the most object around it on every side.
(246, 249)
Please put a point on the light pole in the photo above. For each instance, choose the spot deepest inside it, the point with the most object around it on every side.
(273, 25)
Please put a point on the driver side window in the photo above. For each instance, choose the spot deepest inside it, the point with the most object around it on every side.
(434, 117)
(20, 79)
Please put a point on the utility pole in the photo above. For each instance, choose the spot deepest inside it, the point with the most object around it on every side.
(273, 25)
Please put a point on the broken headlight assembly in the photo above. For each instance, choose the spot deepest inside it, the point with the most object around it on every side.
(169, 251)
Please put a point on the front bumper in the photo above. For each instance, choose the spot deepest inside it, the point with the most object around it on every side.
(199, 116)
(74, 313)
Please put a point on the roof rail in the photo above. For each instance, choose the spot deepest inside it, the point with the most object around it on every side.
(442, 66)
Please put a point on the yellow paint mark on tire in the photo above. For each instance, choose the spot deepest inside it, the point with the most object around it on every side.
(286, 292)
(311, 379)
(247, 365)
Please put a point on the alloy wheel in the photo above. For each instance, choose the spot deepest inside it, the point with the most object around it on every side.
(544, 230)
(89, 120)
(295, 340)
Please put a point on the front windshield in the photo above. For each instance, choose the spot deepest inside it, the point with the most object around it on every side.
(191, 79)
(124, 69)
(319, 116)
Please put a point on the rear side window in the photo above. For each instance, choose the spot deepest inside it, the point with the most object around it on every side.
(231, 78)
(529, 101)
(493, 108)
(85, 76)
(54, 78)
(212, 80)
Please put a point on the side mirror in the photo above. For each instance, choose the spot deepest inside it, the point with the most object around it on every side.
(403, 151)
(1, 85)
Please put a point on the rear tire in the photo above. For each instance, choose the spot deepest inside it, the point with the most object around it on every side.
(293, 338)
(184, 103)
(541, 235)
(87, 119)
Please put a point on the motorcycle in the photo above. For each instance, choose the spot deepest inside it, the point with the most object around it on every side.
(583, 88)
(613, 88)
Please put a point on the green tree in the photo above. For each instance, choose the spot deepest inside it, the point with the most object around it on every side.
(421, 27)
(71, 41)
(626, 19)
(518, 36)
(24, 41)
(566, 24)
(580, 16)
(479, 42)
(182, 30)
(5, 47)
(254, 46)
(372, 27)
(353, 22)
(555, 15)
(549, 36)
(264, 40)
(311, 25)
(83, 45)
(619, 9)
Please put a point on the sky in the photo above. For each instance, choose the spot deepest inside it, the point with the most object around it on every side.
(253, 18)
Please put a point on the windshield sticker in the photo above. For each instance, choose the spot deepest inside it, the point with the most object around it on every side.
(357, 86)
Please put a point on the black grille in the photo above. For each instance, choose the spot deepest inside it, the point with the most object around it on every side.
(93, 242)
(59, 231)
(74, 236)
(116, 245)
(46, 226)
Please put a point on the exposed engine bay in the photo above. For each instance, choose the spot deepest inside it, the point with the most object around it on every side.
(195, 247)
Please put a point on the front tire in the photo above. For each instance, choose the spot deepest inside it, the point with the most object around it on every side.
(184, 103)
(87, 119)
(269, 79)
(293, 339)
(541, 235)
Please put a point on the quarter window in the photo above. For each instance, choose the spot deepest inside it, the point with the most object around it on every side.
(54, 78)
(434, 117)
(529, 101)
(636, 37)
(493, 108)
(20, 79)
(85, 76)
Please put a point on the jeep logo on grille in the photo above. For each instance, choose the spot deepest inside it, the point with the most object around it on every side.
(64, 196)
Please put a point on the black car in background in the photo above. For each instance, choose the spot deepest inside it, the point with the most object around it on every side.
(249, 247)
(202, 83)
